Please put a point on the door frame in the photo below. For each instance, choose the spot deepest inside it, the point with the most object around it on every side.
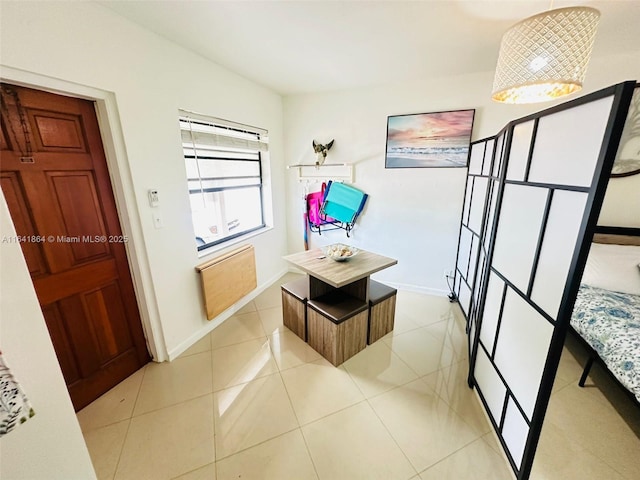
(123, 191)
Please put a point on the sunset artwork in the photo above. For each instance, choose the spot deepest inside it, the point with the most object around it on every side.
(439, 139)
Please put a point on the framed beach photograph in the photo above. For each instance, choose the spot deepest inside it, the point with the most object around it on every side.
(420, 140)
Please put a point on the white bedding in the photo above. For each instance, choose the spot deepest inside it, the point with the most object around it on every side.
(614, 268)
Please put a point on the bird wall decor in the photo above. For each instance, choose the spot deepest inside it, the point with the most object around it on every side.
(321, 151)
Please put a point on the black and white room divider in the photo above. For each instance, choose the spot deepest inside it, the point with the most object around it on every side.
(479, 207)
(532, 200)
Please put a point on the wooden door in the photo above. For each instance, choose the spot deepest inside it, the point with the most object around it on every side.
(56, 183)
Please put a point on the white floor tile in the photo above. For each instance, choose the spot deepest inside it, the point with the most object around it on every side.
(318, 389)
(560, 456)
(450, 383)
(237, 329)
(174, 382)
(271, 319)
(424, 426)
(377, 369)
(290, 351)
(208, 472)
(249, 307)
(270, 297)
(402, 323)
(241, 363)
(169, 442)
(202, 345)
(423, 309)
(584, 422)
(353, 444)
(421, 350)
(476, 461)
(284, 457)
(105, 445)
(114, 406)
(251, 413)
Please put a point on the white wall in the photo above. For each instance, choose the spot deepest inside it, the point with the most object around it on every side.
(151, 78)
(50, 444)
(413, 214)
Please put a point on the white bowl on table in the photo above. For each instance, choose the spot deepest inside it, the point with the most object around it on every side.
(340, 252)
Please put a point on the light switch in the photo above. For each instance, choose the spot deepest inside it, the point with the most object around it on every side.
(157, 220)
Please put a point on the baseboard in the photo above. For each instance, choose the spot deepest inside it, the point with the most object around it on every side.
(419, 289)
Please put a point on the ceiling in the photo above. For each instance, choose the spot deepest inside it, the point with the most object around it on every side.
(295, 47)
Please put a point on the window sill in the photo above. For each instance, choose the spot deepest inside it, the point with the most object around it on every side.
(223, 246)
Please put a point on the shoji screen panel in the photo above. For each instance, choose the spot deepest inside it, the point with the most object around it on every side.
(541, 211)
(479, 207)
(470, 256)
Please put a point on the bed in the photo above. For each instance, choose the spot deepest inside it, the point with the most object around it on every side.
(606, 314)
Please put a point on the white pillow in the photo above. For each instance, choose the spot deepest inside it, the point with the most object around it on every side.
(613, 267)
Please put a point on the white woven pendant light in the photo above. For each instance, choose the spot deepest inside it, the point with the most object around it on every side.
(545, 56)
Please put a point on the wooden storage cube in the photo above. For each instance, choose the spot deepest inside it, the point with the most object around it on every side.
(294, 306)
(382, 310)
(337, 326)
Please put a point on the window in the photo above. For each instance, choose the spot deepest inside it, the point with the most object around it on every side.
(224, 176)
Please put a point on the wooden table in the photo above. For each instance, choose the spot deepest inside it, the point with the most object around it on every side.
(350, 276)
(337, 315)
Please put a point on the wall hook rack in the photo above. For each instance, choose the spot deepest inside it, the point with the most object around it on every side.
(311, 172)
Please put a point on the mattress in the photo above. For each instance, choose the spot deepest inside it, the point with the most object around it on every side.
(610, 323)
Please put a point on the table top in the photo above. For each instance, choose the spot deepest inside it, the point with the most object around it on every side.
(339, 274)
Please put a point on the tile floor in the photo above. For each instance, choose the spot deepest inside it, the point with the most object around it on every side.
(253, 401)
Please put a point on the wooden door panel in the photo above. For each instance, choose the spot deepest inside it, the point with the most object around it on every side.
(81, 335)
(81, 213)
(96, 327)
(32, 250)
(97, 332)
(55, 178)
(108, 319)
(48, 221)
(57, 132)
(60, 339)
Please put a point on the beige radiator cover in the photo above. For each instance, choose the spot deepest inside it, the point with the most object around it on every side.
(227, 278)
